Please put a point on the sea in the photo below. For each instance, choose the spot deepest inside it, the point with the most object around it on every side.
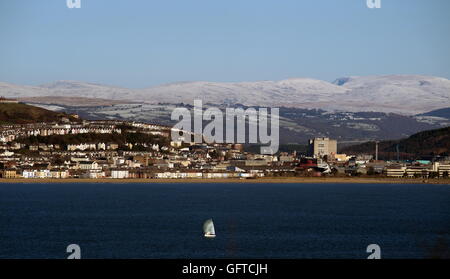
(252, 221)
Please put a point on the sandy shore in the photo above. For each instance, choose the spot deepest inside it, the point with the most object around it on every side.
(344, 180)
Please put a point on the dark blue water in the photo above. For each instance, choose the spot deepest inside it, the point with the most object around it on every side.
(252, 220)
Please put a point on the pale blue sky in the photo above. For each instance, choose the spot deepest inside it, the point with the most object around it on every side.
(140, 43)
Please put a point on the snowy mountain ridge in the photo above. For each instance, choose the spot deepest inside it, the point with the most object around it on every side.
(405, 94)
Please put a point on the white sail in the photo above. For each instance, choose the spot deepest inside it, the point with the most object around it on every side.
(208, 228)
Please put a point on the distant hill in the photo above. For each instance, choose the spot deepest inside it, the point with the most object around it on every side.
(444, 113)
(402, 94)
(296, 125)
(433, 142)
(12, 113)
(75, 101)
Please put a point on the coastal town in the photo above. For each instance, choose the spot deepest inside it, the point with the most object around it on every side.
(111, 149)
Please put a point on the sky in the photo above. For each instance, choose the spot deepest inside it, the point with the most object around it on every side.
(143, 43)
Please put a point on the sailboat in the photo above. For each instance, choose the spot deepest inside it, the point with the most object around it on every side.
(208, 229)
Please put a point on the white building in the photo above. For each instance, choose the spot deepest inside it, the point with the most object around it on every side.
(119, 174)
(320, 147)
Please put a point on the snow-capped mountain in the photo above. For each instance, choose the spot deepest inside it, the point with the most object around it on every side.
(262, 93)
(406, 94)
(66, 89)
(395, 93)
